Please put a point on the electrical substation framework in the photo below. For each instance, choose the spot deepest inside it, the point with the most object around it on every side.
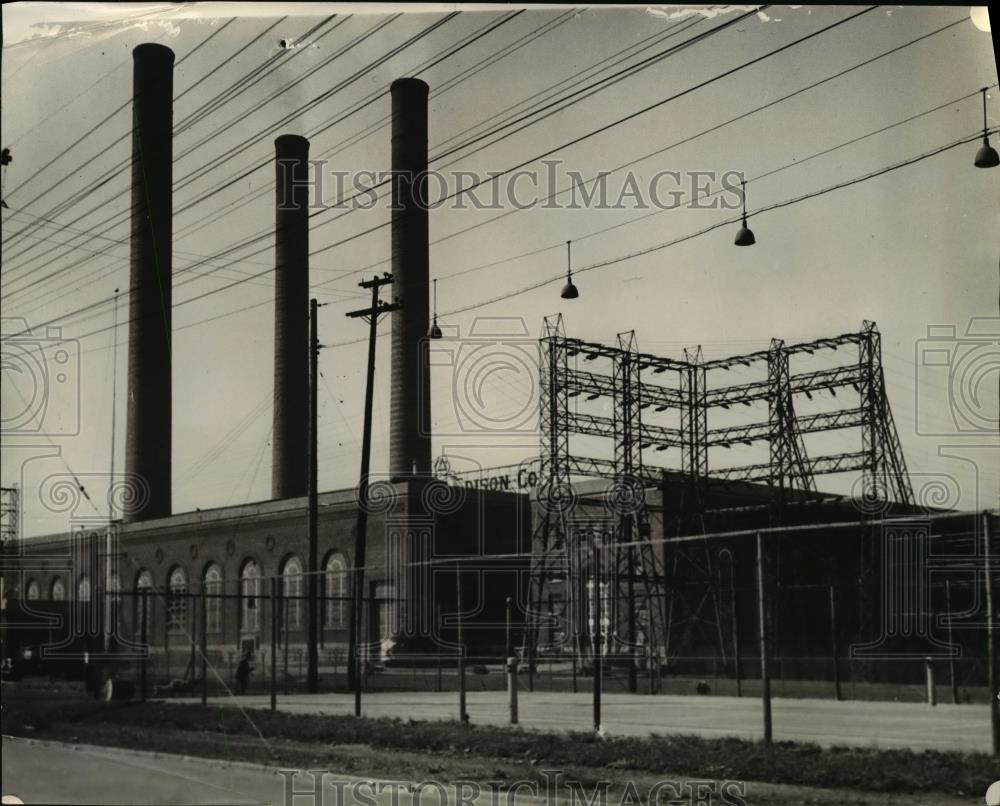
(633, 382)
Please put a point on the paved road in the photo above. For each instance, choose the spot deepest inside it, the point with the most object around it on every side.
(825, 722)
(56, 773)
(48, 772)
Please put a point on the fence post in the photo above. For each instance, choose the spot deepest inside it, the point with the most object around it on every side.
(274, 643)
(598, 659)
(650, 663)
(511, 663)
(354, 660)
(284, 644)
(576, 644)
(508, 645)
(991, 649)
(765, 678)
(144, 632)
(951, 642)
(929, 674)
(364, 646)
(463, 717)
(512, 687)
(737, 669)
(438, 682)
(204, 645)
(833, 644)
(166, 638)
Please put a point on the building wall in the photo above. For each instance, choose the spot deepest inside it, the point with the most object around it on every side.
(422, 538)
(415, 532)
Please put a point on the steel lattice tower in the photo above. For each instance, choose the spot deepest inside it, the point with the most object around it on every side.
(789, 469)
(10, 511)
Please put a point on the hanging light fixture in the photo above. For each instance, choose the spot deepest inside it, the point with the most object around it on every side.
(569, 291)
(435, 331)
(744, 236)
(987, 156)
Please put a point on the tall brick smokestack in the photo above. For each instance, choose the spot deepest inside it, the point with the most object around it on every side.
(410, 400)
(148, 437)
(291, 318)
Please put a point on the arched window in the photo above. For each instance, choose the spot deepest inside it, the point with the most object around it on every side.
(31, 592)
(335, 577)
(112, 600)
(144, 589)
(213, 600)
(177, 600)
(250, 597)
(291, 590)
(83, 590)
(58, 590)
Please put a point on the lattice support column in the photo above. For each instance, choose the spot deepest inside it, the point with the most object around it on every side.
(874, 486)
(777, 379)
(789, 461)
(893, 468)
(549, 559)
(639, 573)
(693, 601)
(10, 514)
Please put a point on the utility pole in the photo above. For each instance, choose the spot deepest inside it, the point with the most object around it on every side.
(111, 541)
(834, 647)
(371, 316)
(313, 614)
(951, 642)
(737, 670)
(762, 613)
(991, 648)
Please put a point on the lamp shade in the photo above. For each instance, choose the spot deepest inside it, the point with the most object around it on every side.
(744, 236)
(987, 156)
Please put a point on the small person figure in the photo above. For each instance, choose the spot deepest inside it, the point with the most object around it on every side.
(243, 671)
(703, 687)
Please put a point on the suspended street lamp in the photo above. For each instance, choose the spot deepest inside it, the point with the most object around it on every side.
(569, 291)
(744, 236)
(987, 156)
(435, 331)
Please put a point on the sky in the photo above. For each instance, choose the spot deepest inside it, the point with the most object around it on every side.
(915, 249)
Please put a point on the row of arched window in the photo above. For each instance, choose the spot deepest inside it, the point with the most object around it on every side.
(335, 591)
(57, 589)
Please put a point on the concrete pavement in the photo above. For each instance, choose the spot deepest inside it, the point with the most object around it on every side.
(917, 726)
(51, 772)
(45, 772)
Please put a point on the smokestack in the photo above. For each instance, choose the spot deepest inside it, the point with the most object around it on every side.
(148, 438)
(291, 318)
(410, 401)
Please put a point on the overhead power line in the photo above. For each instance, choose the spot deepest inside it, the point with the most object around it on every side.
(266, 236)
(374, 96)
(120, 167)
(230, 285)
(495, 175)
(631, 116)
(235, 150)
(559, 277)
